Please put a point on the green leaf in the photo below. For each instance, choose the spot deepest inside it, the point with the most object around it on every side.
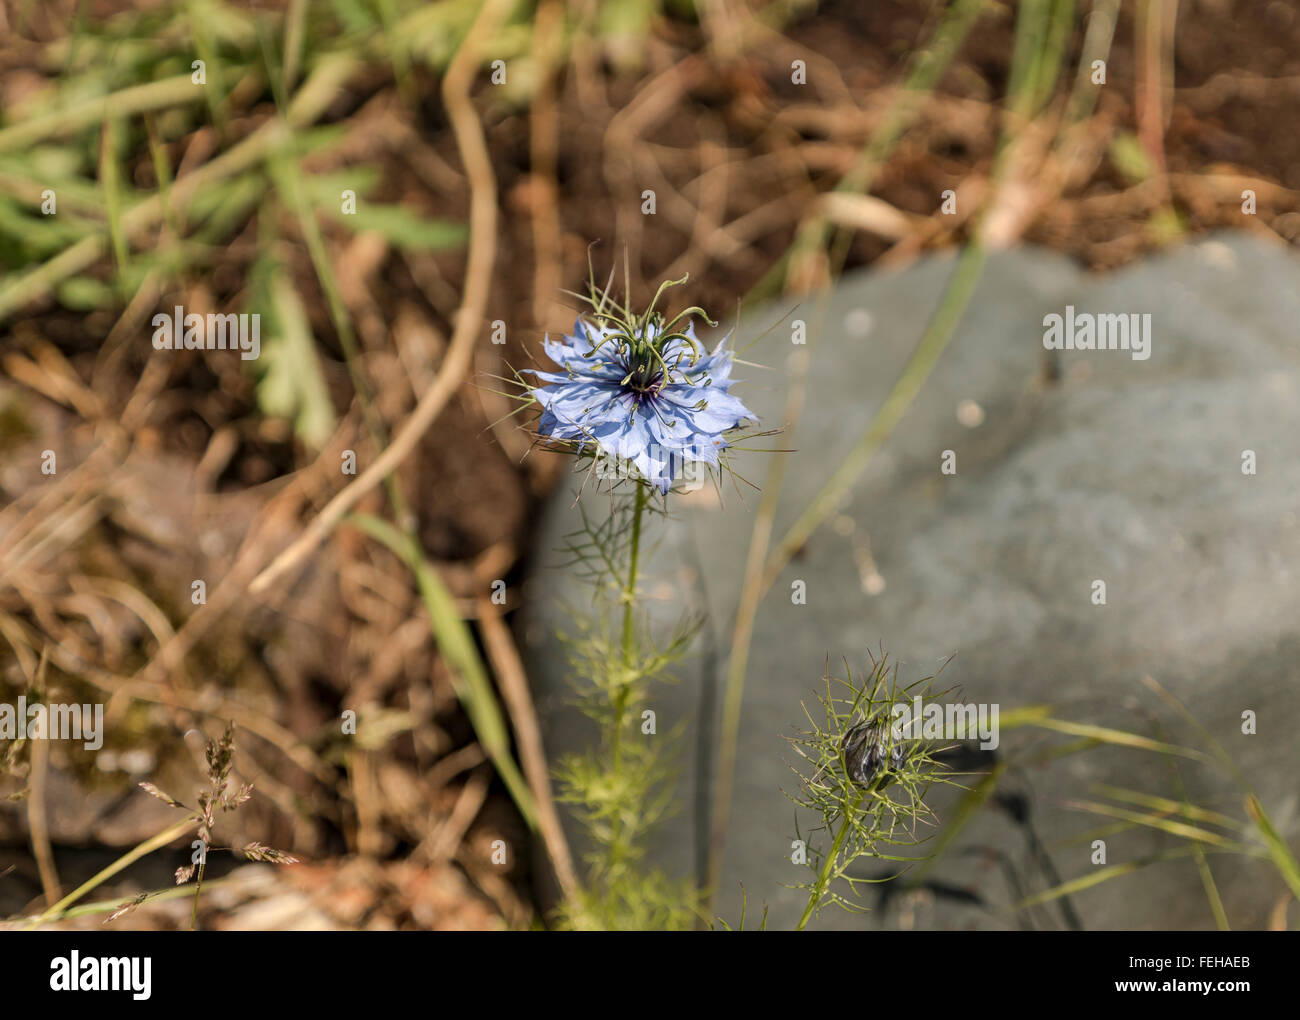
(1283, 859)
(1154, 820)
(290, 382)
(1130, 159)
(324, 189)
(354, 15)
(84, 293)
(1120, 738)
(405, 229)
(224, 207)
(27, 237)
(1104, 874)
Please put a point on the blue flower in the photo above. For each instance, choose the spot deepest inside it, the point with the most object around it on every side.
(641, 392)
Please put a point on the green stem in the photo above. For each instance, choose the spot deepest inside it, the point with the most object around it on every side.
(927, 67)
(828, 867)
(629, 605)
(157, 95)
(108, 906)
(198, 888)
(940, 330)
(147, 847)
(625, 684)
(629, 593)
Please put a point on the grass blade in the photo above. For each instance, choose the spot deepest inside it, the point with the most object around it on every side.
(456, 643)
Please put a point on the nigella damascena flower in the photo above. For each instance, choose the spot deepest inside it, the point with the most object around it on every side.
(868, 754)
(640, 391)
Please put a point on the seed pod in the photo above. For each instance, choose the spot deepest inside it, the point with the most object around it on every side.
(867, 753)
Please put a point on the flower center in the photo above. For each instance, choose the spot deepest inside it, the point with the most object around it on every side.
(645, 376)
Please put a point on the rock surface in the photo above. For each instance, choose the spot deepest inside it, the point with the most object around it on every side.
(1088, 466)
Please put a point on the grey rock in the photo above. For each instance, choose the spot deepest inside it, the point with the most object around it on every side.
(1087, 465)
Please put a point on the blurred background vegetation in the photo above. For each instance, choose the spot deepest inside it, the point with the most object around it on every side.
(200, 153)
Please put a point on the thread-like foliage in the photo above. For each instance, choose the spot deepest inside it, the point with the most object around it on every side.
(864, 780)
(622, 785)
